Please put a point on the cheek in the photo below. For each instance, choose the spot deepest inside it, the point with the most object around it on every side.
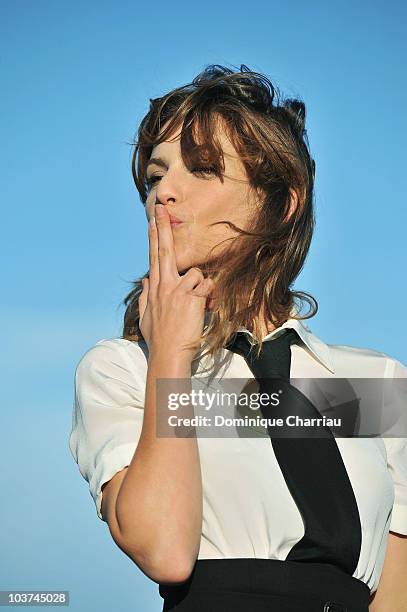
(215, 203)
(226, 205)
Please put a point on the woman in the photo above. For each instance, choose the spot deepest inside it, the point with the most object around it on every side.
(254, 522)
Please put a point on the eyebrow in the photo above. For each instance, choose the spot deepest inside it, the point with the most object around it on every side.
(158, 161)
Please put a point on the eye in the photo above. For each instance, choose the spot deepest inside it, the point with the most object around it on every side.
(205, 170)
(152, 180)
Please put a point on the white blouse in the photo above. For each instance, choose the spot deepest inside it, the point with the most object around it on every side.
(248, 510)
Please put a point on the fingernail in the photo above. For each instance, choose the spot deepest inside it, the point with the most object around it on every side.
(159, 208)
(152, 220)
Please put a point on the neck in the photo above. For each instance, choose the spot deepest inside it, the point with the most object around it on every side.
(261, 325)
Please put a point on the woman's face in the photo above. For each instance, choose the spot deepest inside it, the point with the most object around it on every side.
(199, 201)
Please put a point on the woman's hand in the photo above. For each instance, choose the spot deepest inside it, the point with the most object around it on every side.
(172, 307)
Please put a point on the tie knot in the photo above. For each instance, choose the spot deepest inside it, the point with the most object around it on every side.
(239, 344)
(275, 355)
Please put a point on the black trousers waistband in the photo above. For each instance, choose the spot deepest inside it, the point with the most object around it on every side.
(265, 585)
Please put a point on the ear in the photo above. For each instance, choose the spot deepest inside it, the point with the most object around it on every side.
(293, 203)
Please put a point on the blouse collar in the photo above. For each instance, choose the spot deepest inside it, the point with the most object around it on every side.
(319, 349)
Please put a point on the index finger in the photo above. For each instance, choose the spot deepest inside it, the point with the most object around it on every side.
(166, 251)
(154, 274)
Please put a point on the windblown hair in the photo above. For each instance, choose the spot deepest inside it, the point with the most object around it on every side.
(268, 132)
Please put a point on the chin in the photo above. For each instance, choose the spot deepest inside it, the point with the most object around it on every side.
(184, 260)
(185, 263)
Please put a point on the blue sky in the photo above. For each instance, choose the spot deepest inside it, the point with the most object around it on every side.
(76, 80)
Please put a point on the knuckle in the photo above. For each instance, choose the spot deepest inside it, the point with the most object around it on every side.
(196, 272)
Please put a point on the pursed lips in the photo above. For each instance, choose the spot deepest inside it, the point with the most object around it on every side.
(174, 221)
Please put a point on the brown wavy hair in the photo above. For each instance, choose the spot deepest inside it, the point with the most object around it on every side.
(268, 132)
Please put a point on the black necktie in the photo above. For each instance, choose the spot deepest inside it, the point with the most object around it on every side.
(312, 467)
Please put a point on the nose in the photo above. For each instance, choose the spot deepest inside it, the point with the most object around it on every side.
(163, 201)
(167, 192)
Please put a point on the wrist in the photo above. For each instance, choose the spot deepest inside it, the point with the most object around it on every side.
(168, 358)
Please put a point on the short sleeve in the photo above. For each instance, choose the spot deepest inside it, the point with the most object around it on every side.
(108, 409)
(396, 448)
